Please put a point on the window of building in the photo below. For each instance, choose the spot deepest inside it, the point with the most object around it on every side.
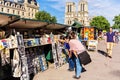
(13, 11)
(23, 13)
(22, 8)
(83, 7)
(2, 9)
(18, 12)
(68, 22)
(68, 8)
(8, 10)
(5, 4)
(13, 5)
(83, 22)
(18, 6)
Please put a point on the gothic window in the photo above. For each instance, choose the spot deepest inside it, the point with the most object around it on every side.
(70, 22)
(81, 7)
(68, 8)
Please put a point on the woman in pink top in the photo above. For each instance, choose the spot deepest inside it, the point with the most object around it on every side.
(76, 47)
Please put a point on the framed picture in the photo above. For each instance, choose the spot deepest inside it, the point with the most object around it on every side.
(20, 41)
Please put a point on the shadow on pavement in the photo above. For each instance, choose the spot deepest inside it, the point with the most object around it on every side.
(103, 53)
(116, 73)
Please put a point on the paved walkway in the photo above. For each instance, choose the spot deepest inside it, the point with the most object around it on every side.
(101, 68)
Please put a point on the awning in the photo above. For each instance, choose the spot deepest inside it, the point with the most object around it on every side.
(56, 26)
(6, 19)
(9, 21)
(28, 24)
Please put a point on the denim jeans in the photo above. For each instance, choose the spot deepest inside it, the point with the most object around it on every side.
(71, 64)
(78, 67)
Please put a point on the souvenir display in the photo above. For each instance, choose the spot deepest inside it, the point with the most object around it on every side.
(36, 64)
(5, 56)
(43, 64)
(16, 64)
(28, 54)
(54, 51)
(23, 58)
(61, 55)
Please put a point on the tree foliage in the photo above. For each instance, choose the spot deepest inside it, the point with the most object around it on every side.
(45, 16)
(100, 22)
(116, 22)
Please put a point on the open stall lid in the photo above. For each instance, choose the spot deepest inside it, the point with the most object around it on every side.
(6, 19)
(9, 21)
(28, 24)
(36, 24)
(56, 26)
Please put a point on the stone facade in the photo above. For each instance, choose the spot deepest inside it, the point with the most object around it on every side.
(23, 8)
(81, 14)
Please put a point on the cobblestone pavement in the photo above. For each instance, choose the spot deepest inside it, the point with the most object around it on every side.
(101, 68)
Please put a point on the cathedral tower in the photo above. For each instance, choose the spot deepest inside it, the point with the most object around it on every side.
(83, 12)
(70, 11)
(80, 15)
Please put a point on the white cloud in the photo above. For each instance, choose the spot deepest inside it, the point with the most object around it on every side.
(106, 8)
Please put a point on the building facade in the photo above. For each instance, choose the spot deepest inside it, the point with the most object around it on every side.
(23, 8)
(79, 13)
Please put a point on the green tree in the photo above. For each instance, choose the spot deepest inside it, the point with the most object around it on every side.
(100, 22)
(45, 16)
(116, 22)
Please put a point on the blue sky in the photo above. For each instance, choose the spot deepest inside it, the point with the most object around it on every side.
(106, 8)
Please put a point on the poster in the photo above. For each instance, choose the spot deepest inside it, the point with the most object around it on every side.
(55, 56)
(23, 58)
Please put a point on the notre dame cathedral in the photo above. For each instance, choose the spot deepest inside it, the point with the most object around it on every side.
(79, 13)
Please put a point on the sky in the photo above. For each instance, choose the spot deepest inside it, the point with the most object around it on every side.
(106, 8)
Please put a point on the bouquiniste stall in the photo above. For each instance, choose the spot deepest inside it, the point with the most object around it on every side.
(28, 46)
(87, 34)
